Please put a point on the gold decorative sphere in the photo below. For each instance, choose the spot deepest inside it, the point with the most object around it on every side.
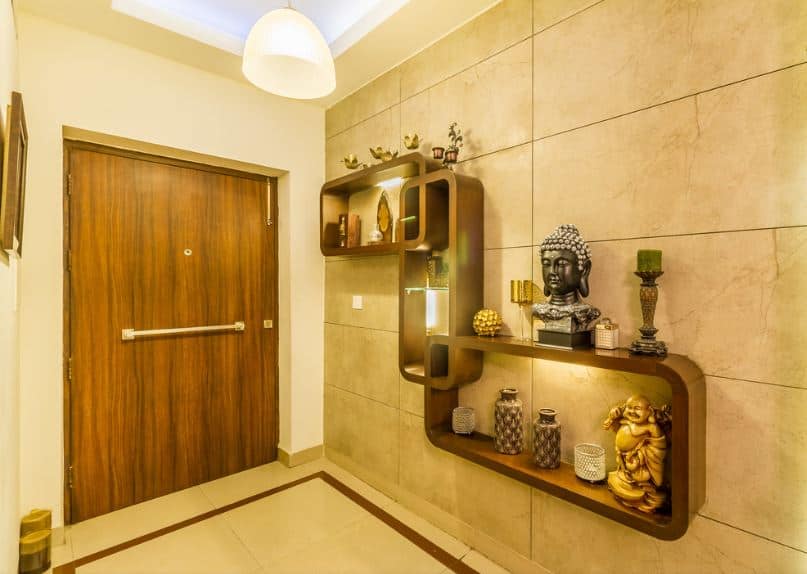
(487, 323)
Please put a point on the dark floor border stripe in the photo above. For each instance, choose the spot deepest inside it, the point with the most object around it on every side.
(413, 536)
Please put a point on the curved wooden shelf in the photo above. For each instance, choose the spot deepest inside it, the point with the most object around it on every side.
(449, 219)
(335, 195)
(687, 481)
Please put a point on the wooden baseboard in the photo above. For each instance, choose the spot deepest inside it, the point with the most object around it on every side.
(299, 457)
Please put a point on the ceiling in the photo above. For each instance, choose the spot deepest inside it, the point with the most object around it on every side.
(366, 37)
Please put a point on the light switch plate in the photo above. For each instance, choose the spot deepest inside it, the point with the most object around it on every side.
(358, 302)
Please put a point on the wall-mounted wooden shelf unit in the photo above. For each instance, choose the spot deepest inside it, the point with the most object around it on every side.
(449, 211)
(687, 480)
(335, 198)
(448, 220)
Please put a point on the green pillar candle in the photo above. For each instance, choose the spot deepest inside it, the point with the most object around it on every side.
(648, 260)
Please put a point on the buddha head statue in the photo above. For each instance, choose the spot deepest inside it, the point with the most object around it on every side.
(566, 264)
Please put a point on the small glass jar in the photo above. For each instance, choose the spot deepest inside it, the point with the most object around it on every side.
(589, 462)
(463, 420)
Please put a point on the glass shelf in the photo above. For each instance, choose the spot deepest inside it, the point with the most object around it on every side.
(424, 289)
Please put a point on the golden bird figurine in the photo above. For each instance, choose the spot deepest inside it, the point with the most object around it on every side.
(352, 162)
(383, 154)
(411, 141)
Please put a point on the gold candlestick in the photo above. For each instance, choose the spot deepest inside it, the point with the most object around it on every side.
(521, 293)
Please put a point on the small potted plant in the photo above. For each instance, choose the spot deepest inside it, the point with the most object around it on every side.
(455, 137)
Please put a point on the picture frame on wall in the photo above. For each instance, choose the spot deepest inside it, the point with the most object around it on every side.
(12, 197)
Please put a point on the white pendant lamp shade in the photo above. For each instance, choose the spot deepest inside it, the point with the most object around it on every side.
(285, 54)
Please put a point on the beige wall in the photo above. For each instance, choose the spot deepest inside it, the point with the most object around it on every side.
(676, 125)
(9, 380)
(71, 78)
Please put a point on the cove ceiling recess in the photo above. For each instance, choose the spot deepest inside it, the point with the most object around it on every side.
(224, 24)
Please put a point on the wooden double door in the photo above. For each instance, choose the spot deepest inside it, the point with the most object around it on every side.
(153, 244)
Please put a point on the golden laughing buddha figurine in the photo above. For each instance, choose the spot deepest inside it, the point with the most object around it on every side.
(641, 445)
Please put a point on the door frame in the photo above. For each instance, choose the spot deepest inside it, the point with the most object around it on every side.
(70, 144)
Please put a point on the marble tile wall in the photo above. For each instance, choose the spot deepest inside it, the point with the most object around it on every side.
(679, 125)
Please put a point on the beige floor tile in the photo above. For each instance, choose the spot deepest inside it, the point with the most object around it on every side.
(288, 522)
(122, 525)
(482, 564)
(369, 546)
(207, 547)
(62, 553)
(445, 541)
(356, 484)
(238, 486)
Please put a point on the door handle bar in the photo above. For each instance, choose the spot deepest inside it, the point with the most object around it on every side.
(130, 334)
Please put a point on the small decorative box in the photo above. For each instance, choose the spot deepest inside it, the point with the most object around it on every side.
(606, 335)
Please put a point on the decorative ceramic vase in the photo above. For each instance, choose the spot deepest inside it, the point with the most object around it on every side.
(375, 235)
(546, 445)
(508, 428)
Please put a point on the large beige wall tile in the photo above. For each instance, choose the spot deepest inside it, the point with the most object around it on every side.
(756, 469)
(487, 501)
(499, 372)
(426, 470)
(502, 266)
(491, 102)
(411, 397)
(363, 431)
(618, 179)
(382, 129)
(623, 55)
(547, 13)
(375, 279)
(727, 300)
(362, 361)
(500, 27)
(507, 177)
(380, 94)
(760, 182)
(569, 539)
(584, 395)
(667, 170)
(494, 505)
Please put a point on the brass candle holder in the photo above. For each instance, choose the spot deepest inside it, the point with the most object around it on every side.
(521, 294)
(648, 295)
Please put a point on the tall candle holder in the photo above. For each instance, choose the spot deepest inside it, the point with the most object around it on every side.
(521, 294)
(648, 295)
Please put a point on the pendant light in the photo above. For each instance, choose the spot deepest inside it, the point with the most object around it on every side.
(286, 54)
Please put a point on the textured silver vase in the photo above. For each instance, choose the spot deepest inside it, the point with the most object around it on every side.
(546, 444)
(508, 428)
